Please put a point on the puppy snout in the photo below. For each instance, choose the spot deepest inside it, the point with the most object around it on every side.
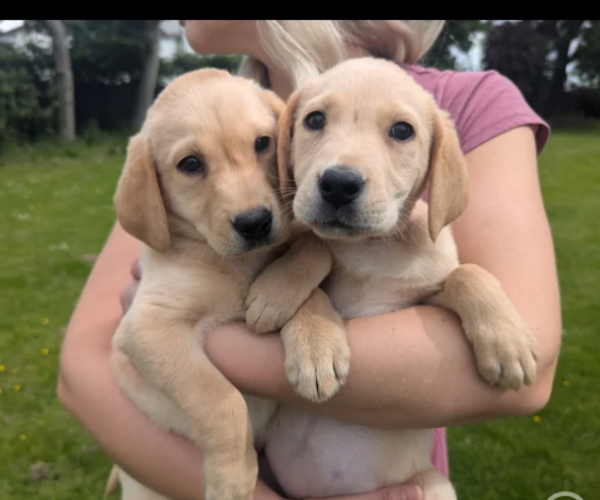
(255, 224)
(340, 185)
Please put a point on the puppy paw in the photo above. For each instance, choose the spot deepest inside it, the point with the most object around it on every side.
(231, 480)
(270, 306)
(316, 365)
(506, 357)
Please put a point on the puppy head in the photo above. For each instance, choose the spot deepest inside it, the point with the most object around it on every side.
(358, 145)
(204, 167)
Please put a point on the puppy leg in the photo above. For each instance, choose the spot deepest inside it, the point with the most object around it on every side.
(435, 486)
(280, 290)
(169, 356)
(317, 355)
(504, 347)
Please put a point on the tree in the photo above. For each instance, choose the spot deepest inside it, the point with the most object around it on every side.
(149, 76)
(108, 52)
(64, 79)
(27, 104)
(561, 35)
(587, 55)
(186, 61)
(536, 56)
(460, 34)
(519, 51)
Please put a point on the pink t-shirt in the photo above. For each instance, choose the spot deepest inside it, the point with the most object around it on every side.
(482, 105)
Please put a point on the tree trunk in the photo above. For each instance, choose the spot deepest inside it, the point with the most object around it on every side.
(64, 76)
(570, 30)
(149, 74)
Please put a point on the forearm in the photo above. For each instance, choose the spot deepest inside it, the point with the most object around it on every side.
(163, 461)
(145, 452)
(409, 369)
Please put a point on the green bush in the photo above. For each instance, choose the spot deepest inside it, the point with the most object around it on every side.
(589, 101)
(27, 103)
(184, 62)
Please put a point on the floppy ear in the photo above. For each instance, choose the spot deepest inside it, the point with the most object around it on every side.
(138, 200)
(284, 145)
(276, 104)
(448, 186)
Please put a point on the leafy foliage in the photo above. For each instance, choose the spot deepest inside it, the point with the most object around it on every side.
(109, 52)
(27, 103)
(536, 54)
(587, 54)
(460, 34)
(185, 61)
(519, 51)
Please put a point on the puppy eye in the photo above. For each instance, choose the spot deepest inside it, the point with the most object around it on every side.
(261, 144)
(191, 165)
(315, 120)
(401, 131)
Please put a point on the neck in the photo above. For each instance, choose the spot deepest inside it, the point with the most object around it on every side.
(280, 82)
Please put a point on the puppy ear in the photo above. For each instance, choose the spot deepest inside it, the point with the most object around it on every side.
(284, 145)
(138, 200)
(276, 104)
(448, 183)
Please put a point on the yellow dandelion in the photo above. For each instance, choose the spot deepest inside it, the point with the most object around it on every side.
(2, 368)
(45, 321)
(566, 383)
(16, 387)
(537, 419)
(22, 437)
(0, 390)
(45, 352)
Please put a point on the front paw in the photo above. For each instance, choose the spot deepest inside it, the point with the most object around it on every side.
(506, 355)
(316, 365)
(231, 480)
(270, 307)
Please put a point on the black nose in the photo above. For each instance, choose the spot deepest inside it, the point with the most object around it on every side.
(253, 224)
(340, 185)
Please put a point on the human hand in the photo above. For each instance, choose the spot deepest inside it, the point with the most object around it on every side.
(130, 289)
(407, 491)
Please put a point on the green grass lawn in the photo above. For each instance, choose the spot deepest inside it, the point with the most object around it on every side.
(56, 210)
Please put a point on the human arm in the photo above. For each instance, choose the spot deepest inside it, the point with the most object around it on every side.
(165, 462)
(88, 390)
(414, 368)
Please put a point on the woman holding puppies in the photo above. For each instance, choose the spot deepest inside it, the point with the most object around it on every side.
(410, 369)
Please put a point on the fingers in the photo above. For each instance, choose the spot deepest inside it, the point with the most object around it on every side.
(400, 492)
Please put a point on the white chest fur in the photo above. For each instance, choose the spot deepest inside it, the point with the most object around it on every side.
(314, 456)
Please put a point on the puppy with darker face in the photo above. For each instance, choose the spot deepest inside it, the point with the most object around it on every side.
(357, 147)
(200, 190)
(208, 145)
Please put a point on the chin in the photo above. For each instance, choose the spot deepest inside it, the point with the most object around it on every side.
(218, 37)
(347, 229)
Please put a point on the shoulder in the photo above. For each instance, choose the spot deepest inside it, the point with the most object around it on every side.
(482, 104)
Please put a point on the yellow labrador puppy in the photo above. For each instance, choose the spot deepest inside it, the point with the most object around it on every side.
(358, 146)
(200, 190)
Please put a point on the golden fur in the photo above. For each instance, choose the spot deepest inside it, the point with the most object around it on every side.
(390, 250)
(198, 261)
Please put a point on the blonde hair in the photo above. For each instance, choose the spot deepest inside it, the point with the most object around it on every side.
(304, 49)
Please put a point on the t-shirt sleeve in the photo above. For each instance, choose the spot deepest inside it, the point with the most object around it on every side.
(486, 104)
